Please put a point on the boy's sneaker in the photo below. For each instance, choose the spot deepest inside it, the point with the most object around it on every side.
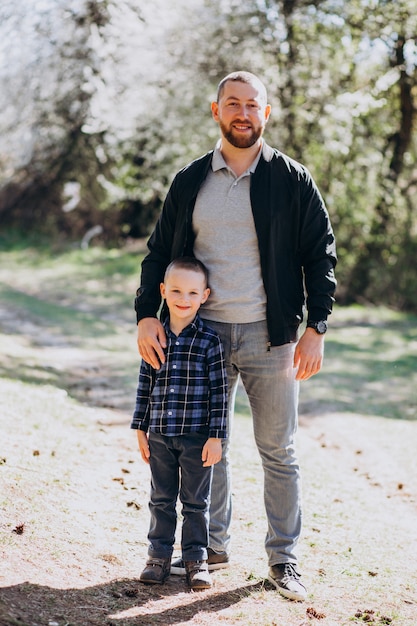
(286, 579)
(215, 560)
(156, 571)
(198, 577)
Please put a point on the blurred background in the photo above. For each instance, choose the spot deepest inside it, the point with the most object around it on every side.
(102, 101)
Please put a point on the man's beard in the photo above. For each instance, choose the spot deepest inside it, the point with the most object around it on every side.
(241, 142)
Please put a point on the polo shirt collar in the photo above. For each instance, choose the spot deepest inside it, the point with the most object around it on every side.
(218, 162)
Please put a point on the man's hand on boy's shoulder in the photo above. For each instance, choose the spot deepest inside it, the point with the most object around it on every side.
(151, 341)
(212, 452)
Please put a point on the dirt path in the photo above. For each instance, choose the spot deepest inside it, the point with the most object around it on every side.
(74, 518)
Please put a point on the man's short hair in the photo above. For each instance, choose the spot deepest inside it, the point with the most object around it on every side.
(188, 263)
(242, 77)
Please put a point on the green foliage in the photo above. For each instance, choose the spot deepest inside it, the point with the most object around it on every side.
(342, 80)
(337, 76)
(370, 361)
(85, 297)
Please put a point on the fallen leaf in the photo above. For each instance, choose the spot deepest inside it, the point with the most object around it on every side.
(19, 529)
(313, 614)
(134, 504)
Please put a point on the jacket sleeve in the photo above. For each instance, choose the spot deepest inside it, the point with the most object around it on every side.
(317, 250)
(173, 236)
(160, 244)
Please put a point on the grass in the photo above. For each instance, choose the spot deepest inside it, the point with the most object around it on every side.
(370, 365)
(87, 296)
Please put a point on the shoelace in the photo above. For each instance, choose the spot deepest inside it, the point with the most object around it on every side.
(290, 573)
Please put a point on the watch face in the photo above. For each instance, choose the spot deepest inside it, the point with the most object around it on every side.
(321, 327)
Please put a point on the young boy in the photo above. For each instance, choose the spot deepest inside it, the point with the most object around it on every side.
(180, 417)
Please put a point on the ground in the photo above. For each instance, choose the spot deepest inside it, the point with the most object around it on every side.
(74, 515)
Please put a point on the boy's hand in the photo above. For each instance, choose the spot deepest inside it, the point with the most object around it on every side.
(212, 452)
(143, 445)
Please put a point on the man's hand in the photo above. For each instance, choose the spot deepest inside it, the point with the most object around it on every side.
(212, 452)
(143, 445)
(308, 356)
(152, 341)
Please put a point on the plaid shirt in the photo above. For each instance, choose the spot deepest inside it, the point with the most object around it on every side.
(189, 392)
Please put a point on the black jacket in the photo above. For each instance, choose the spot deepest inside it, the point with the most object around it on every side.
(296, 242)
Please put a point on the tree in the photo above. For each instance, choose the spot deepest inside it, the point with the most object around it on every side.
(128, 105)
(47, 80)
(391, 241)
(72, 91)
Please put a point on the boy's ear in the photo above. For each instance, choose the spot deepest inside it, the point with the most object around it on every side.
(206, 294)
(162, 289)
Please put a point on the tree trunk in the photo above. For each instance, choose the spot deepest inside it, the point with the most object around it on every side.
(371, 260)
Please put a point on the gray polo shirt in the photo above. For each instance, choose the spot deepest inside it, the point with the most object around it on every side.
(227, 244)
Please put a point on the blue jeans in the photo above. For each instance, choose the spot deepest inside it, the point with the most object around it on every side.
(268, 377)
(177, 468)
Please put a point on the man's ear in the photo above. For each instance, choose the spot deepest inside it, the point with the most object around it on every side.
(215, 110)
(162, 289)
(267, 112)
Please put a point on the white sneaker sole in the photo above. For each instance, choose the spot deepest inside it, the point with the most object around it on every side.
(180, 571)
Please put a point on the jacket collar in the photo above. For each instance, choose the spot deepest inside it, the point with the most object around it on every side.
(267, 152)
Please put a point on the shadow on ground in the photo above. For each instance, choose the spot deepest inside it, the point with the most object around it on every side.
(119, 603)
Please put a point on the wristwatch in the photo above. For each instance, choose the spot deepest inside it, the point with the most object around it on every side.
(320, 327)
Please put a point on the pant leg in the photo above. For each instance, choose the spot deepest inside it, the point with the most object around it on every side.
(269, 380)
(164, 492)
(221, 491)
(194, 496)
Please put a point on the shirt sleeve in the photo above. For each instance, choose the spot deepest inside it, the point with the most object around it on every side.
(217, 378)
(140, 420)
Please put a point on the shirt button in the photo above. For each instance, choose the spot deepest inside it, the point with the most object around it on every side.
(174, 367)
(177, 343)
(169, 412)
(172, 390)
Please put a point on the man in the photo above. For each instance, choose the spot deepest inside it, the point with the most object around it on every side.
(256, 219)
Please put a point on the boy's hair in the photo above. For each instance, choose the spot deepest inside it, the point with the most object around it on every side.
(188, 263)
(242, 77)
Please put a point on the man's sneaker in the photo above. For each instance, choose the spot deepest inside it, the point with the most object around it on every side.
(215, 560)
(156, 571)
(198, 577)
(286, 579)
